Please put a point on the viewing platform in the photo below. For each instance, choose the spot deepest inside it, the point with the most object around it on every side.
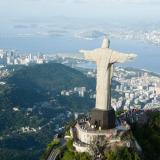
(84, 134)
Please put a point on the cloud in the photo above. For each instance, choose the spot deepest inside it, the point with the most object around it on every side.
(144, 2)
(79, 8)
(99, 2)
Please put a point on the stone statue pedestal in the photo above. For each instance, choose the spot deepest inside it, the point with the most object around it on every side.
(103, 119)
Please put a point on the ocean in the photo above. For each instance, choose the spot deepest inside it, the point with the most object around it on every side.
(148, 54)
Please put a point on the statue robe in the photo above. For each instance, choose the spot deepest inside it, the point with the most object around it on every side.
(105, 58)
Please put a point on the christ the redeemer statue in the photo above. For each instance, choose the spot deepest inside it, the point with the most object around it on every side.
(105, 58)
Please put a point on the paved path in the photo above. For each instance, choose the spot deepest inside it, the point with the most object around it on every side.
(53, 155)
(56, 151)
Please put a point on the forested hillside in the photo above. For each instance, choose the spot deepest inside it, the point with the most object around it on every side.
(35, 93)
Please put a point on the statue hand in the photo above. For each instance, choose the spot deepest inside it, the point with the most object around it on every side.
(82, 51)
(132, 56)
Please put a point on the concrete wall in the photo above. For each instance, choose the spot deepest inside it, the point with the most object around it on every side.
(80, 148)
(88, 136)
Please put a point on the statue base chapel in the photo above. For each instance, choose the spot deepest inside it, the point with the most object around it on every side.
(103, 119)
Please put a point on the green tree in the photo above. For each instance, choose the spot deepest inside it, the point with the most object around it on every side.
(68, 155)
(148, 136)
(122, 154)
(110, 155)
(69, 145)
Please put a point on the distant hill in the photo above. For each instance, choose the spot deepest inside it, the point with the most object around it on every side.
(34, 83)
(50, 76)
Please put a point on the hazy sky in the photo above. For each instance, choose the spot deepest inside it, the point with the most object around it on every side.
(127, 9)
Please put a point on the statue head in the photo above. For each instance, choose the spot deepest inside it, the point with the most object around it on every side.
(105, 43)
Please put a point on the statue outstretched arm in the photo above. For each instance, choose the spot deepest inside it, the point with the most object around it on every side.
(89, 55)
(118, 57)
